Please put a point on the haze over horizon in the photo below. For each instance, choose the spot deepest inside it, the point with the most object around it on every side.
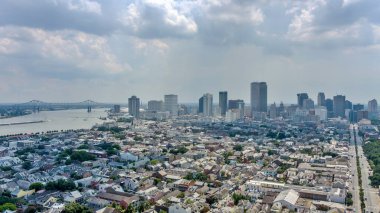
(107, 51)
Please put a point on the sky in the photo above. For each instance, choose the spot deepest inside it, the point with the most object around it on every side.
(107, 51)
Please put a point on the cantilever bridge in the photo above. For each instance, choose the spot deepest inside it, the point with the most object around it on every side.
(37, 105)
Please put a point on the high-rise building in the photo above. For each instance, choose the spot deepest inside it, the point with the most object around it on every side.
(154, 105)
(116, 108)
(308, 104)
(273, 111)
(321, 112)
(362, 114)
(348, 104)
(321, 99)
(200, 106)
(281, 108)
(171, 104)
(241, 108)
(207, 104)
(223, 102)
(234, 104)
(372, 106)
(259, 97)
(134, 106)
(357, 107)
(300, 98)
(329, 105)
(372, 109)
(339, 105)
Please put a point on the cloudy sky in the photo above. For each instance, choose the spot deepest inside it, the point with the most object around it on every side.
(73, 50)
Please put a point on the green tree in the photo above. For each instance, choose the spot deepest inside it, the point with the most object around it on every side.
(8, 206)
(82, 156)
(238, 147)
(36, 186)
(27, 165)
(76, 208)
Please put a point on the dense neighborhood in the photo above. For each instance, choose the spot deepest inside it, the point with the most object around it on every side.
(181, 165)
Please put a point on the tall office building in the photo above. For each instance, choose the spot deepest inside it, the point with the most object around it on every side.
(200, 105)
(300, 98)
(348, 104)
(329, 105)
(134, 106)
(321, 99)
(372, 109)
(339, 105)
(372, 106)
(234, 104)
(357, 107)
(207, 104)
(241, 108)
(171, 104)
(223, 102)
(321, 112)
(259, 97)
(362, 114)
(308, 104)
(116, 108)
(154, 105)
(273, 111)
(281, 109)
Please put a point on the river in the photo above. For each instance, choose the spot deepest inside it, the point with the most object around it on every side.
(52, 120)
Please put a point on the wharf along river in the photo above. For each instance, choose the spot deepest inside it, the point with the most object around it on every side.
(52, 120)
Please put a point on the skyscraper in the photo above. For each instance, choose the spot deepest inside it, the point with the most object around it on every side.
(154, 105)
(223, 102)
(339, 105)
(348, 104)
(171, 104)
(200, 105)
(134, 106)
(358, 107)
(329, 105)
(321, 99)
(273, 111)
(116, 108)
(372, 109)
(207, 104)
(372, 106)
(259, 97)
(241, 108)
(234, 104)
(308, 104)
(300, 98)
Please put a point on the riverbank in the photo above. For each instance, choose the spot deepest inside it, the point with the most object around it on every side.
(45, 121)
(19, 123)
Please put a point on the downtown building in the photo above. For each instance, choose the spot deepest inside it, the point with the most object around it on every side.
(134, 106)
(259, 99)
(372, 109)
(171, 104)
(321, 100)
(235, 110)
(156, 105)
(339, 105)
(223, 97)
(205, 105)
(301, 97)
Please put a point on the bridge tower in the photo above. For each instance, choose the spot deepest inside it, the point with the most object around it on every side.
(89, 105)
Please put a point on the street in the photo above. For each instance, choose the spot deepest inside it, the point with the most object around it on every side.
(354, 187)
(371, 197)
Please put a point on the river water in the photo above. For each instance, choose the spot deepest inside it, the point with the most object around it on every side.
(52, 120)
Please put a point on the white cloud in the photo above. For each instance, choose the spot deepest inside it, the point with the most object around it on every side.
(82, 51)
(153, 18)
(82, 5)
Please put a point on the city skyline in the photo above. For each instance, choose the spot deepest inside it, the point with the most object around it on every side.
(94, 50)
